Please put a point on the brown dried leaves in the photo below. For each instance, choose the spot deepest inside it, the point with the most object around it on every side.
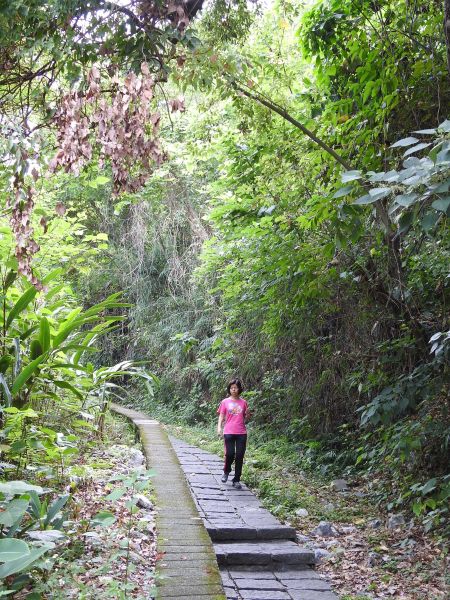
(119, 123)
(176, 11)
(22, 204)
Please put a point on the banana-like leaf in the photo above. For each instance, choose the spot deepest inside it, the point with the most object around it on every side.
(65, 385)
(26, 373)
(70, 367)
(91, 337)
(21, 304)
(28, 296)
(44, 334)
(81, 320)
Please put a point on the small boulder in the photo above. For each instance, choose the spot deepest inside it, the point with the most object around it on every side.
(301, 512)
(339, 485)
(303, 539)
(375, 524)
(325, 529)
(143, 502)
(136, 458)
(395, 521)
(320, 554)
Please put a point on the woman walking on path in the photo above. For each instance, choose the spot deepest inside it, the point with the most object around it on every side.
(234, 411)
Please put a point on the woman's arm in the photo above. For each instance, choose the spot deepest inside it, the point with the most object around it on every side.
(220, 423)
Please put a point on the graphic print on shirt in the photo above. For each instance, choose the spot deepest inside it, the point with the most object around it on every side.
(234, 408)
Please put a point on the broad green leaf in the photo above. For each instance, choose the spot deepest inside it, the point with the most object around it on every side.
(431, 484)
(417, 508)
(406, 199)
(379, 193)
(442, 204)
(104, 518)
(443, 156)
(12, 549)
(416, 148)
(344, 191)
(19, 487)
(441, 187)
(20, 564)
(429, 221)
(445, 126)
(13, 511)
(426, 131)
(116, 494)
(350, 176)
(403, 143)
(26, 373)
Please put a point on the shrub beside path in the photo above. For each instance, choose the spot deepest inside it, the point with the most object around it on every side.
(258, 557)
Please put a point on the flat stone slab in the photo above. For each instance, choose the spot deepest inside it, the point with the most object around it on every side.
(259, 557)
(188, 564)
(262, 553)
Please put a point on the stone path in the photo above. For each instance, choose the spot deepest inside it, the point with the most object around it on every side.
(258, 556)
(188, 568)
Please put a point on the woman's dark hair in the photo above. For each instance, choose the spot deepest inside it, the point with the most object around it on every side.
(235, 382)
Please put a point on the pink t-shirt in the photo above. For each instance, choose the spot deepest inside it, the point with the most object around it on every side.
(235, 411)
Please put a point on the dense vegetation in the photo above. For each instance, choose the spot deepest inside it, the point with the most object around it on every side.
(254, 252)
(262, 193)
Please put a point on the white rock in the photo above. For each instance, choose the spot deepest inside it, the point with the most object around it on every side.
(325, 529)
(320, 554)
(339, 485)
(301, 512)
(136, 458)
(143, 502)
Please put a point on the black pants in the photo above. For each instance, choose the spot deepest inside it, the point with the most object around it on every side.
(235, 445)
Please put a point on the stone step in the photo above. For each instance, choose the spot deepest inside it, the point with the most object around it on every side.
(225, 533)
(275, 554)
